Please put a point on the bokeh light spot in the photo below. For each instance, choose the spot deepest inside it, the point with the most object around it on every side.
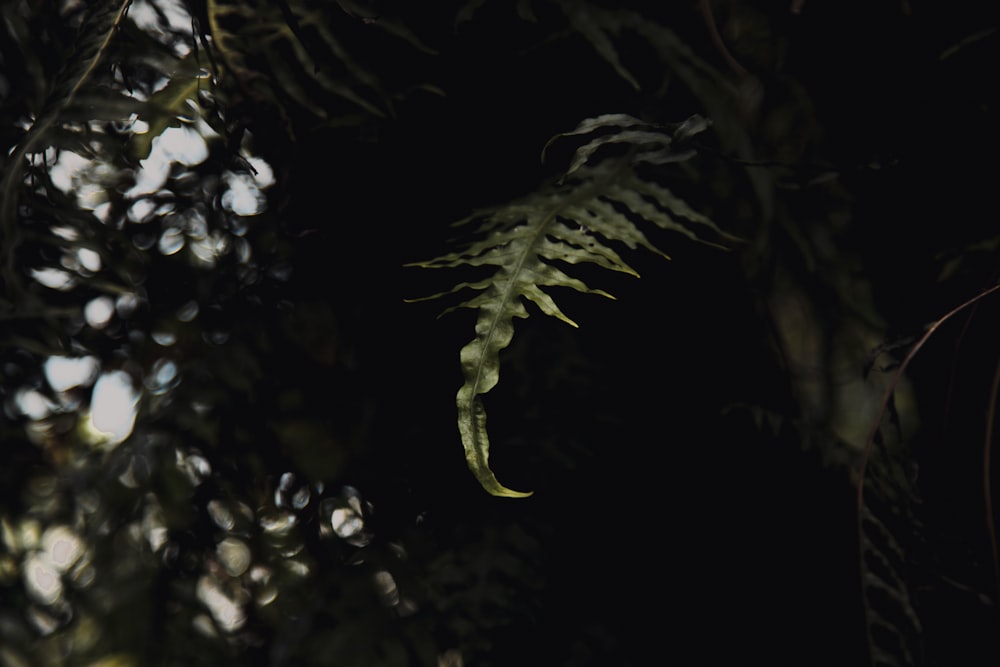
(98, 312)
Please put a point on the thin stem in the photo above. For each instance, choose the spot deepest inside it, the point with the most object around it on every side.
(889, 390)
(987, 476)
(720, 44)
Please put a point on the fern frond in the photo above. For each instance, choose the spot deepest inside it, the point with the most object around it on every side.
(298, 54)
(593, 25)
(888, 525)
(605, 29)
(597, 203)
(889, 541)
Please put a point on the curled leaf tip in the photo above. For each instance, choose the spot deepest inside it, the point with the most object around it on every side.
(495, 488)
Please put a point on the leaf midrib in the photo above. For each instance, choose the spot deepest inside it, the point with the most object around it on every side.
(506, 295)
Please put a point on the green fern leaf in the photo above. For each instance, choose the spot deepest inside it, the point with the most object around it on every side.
(171, 106)
(596, 203)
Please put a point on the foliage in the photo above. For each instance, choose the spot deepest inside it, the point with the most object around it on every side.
(566, 224)
(207, 207)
